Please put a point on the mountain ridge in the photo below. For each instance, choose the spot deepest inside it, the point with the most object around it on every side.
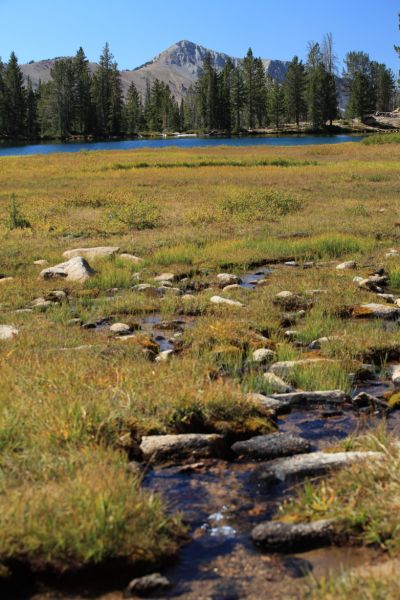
(179, 66)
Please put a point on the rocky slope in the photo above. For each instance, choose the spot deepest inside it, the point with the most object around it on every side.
(179, 66)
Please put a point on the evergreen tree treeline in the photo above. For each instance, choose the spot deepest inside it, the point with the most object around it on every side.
(240, 96)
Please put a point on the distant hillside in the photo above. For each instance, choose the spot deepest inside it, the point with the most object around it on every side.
(179, 66)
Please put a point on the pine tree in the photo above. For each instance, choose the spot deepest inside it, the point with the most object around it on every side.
(82, 99)
(315, 74)
(14, 98)
(62, 97)
(249, 88)
(32, 124)
(330, 109)
(107, 95)
(237, 98)
(132, 110)
(260, 92)
(207, 94)
(2, 101)
(276, 103)
(294, 90)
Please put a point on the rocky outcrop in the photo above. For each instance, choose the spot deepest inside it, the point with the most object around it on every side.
(376, 311)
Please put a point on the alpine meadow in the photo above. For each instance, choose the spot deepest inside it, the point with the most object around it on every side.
(200, 322)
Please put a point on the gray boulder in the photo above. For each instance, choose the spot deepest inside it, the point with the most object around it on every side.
(313, 464)
(75, 269)
(305, 399)
(276, 536)
(271, 446)
(147, 585)
(161, 448)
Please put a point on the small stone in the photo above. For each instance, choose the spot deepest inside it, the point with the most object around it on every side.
(147, 585)
(349, 264)
(277, 384)
(227, 301)
(364, 400)
(41, 262)
(135, 260)
(395, 374)
(73, 322)
(164, 356)
(6, 279)
(40, 303)
(285, 368)
(56, 296)
(291, 334)
(7, 332)
(225, 279)
(291, 263)
(308, 399)
(165, 277)
(91, 253)
(263, 355)
(232, 286)
(120, 328)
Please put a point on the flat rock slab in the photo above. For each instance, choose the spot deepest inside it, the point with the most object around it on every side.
(135, 260)
(92, 253)
(75, 269)
(173, 448)
(304, 465)
(376, 311)
(310, 398)
(274, 445)
(7, 332)
(276, 536)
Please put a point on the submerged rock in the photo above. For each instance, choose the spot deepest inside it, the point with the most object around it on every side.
(75, 269)
(161, 448)
(271, 446)
(92, 253)
(364, 400)
(304, 465)
(276, 536)
(147, 585)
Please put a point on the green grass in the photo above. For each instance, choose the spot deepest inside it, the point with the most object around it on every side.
(382, 138)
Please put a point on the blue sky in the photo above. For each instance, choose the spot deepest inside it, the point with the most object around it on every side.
(138, 30)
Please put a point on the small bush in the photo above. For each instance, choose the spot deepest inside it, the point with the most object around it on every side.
(15, 219)
(382, 138)
(141, 214)
(260, 204)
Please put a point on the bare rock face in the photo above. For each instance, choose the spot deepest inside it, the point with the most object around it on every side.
(163, 448)
(376, 311)
(92, 253)
(276, 536)
(7, 332)
(316, 463)
(75, 269)
(274, 445)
